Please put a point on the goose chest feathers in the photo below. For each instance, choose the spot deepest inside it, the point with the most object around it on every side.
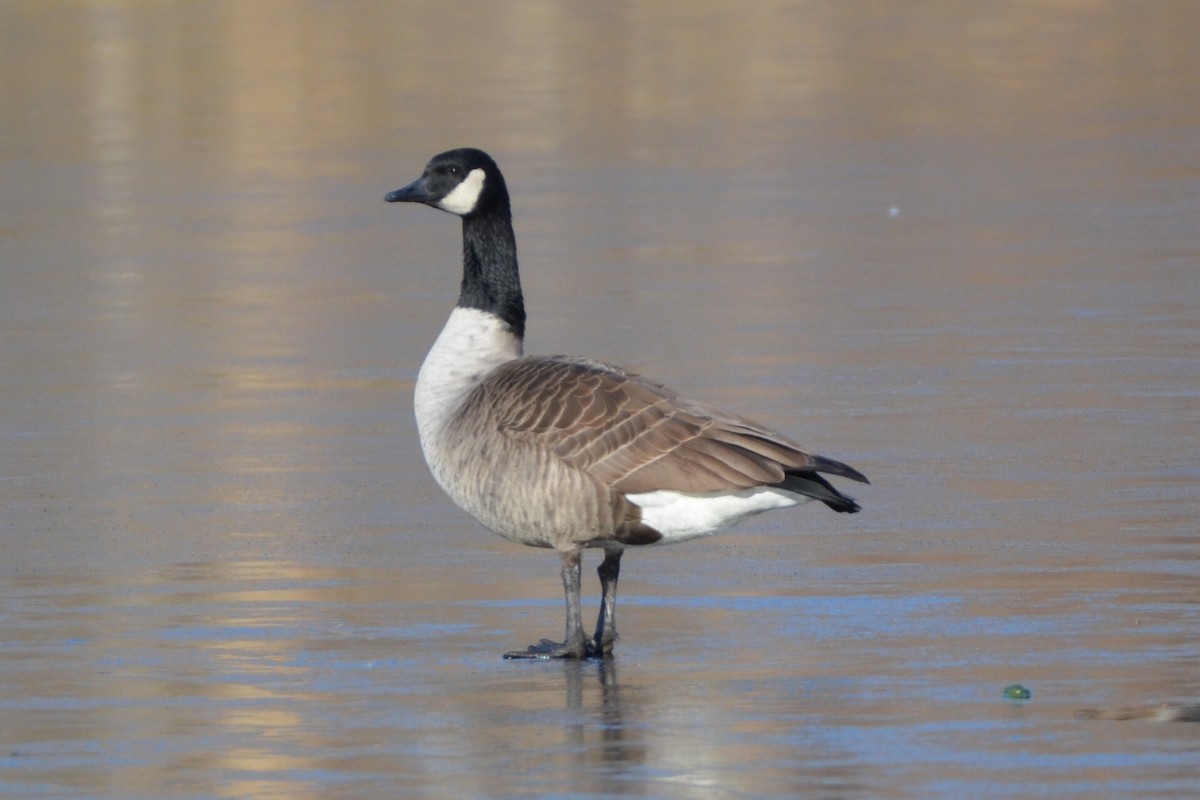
(569, 453)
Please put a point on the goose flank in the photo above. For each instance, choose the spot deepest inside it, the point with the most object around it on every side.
(569, 453)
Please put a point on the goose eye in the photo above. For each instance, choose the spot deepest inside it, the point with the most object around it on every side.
(453, 170)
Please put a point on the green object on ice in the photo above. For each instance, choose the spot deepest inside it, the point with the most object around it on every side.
(1017, 692)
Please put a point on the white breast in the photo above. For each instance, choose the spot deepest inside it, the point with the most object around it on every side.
(471, 345)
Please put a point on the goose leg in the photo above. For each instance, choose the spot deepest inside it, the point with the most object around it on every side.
(606, 626)
(575, 644)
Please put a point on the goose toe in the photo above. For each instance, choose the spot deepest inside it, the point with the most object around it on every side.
(547, 649)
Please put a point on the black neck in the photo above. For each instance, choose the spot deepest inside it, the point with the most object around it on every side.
(490, 280)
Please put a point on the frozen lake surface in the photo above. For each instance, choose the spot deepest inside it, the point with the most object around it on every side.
(956, 248)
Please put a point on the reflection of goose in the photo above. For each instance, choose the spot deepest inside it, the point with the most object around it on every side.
(570, 453)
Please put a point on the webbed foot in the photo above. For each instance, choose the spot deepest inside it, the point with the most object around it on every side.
(547, 649)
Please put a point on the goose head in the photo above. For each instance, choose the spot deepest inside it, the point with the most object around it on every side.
(465, 182)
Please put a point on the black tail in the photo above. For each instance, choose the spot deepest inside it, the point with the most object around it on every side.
(810, 484)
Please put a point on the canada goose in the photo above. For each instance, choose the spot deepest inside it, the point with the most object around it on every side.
(569, 453)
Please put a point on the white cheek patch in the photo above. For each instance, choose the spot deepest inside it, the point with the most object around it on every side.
(464, 197)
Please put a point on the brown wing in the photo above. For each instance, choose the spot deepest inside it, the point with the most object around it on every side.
(638, 436)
